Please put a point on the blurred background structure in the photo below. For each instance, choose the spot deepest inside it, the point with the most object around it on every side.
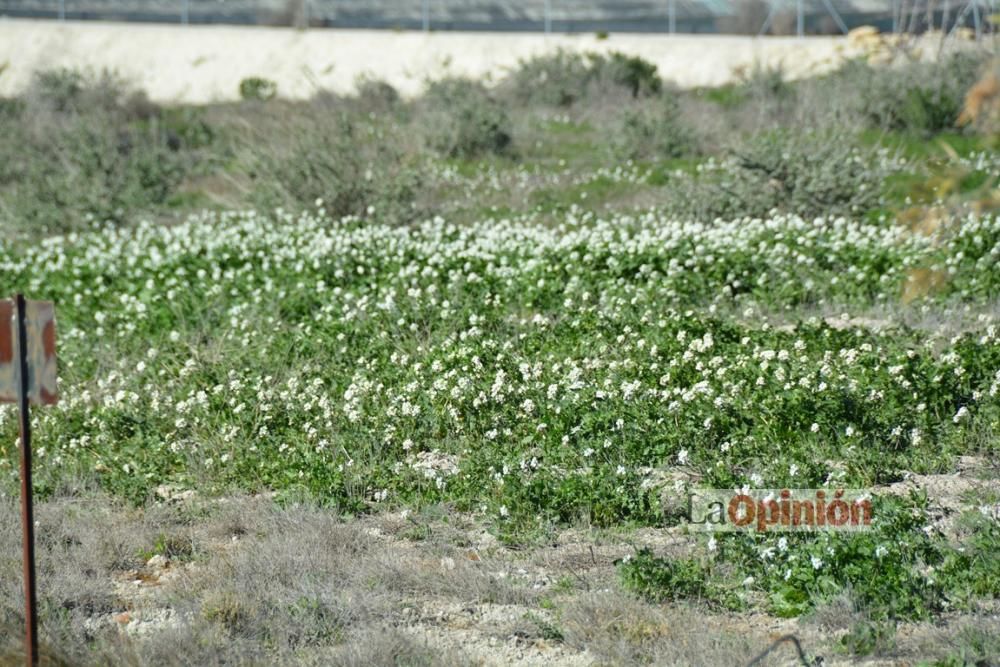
(750, 17)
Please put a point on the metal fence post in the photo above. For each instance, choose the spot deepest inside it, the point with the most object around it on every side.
(673, 17)
(548, 17)
(27, 511)
(425, 15)
(62, 10)
(185, 11)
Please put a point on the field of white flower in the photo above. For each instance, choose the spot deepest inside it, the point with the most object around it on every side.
(533, 376)
(486, 332)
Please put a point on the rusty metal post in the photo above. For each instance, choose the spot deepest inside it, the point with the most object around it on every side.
(27, 510)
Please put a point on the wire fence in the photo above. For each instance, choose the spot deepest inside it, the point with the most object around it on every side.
(689, 16)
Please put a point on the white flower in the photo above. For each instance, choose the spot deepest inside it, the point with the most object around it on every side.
(817, 562)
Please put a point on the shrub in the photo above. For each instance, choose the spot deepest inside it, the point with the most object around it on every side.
(99, 181)
(868, 637)
(557, 79)
(353, 166)
(464, 120)
(766, 83)
(808, 174)
(919, 97)
(563, 78)
(59, 88)
(661, 579)
(259, 89)
(655, 131)
(377, 95)
(63, 91)
(633, 73)
(85, 146)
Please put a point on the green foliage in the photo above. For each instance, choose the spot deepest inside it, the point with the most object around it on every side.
(635, 74)
(898, 570)
(546, 629)
(664, 579)
(868, 637)
(172, 547)
(257, 89)
(973, 571)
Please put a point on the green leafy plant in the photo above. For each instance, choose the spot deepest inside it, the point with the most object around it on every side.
(661, 579)
(258, 89)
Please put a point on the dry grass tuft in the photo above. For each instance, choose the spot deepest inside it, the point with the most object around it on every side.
(922, 282)
(621, 630)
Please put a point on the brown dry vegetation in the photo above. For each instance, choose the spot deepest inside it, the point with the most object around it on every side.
(243, 581)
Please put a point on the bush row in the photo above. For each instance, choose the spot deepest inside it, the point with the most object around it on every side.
(86, 147)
